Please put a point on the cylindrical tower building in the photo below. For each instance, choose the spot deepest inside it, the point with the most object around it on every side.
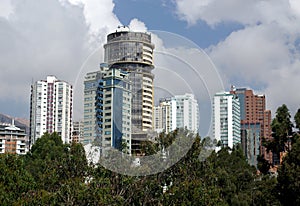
(133, 52)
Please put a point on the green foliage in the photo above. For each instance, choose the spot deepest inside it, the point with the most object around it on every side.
(289, 177)
(263, 165)
(297, 119)
(282, 129)
(15, 181)
(54, 173)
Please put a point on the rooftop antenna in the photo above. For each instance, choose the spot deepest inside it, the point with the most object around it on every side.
(122, 28)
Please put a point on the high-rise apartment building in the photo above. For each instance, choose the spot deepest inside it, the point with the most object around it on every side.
(93, 108)
(226, 119)
(12, 139)
(51, 108)
(180, 111)
(132, 52)
(185, 112)
(116, 110)
(107, 109)
(253, 111)
(162, 120)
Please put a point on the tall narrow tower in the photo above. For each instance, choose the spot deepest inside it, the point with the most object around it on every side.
(226, 116)
(92, 126)
(132, 52)
(51, 109)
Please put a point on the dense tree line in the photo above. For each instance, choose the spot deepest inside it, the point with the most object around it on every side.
(53, 173)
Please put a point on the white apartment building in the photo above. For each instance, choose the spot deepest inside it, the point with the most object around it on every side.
(51, 109)
(226, 119)
(185, 112)
(162, 116)
(180, 111)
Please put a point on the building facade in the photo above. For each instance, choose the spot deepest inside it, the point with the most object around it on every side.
(132, 52)
(77, 131)
(185, 112)
(180, 111)
(250, 140)
(254, 112)
(12, 139)
(226, 119)
(51, 109)
(162, 120)
(93, 106)
(117, 111)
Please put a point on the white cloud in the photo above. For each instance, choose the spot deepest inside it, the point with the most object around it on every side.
(5, 8)
(246, 12)
(137, 26)
(252, 53)
(264, 54)
(49, 37)
(182, 67)
(99, 14)
(295, 6)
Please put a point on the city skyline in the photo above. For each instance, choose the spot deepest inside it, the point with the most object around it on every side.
(248, 50)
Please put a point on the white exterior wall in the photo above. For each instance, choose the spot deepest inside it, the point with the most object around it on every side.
(41, 110)
(226, 117)
(62, 111)
(182, 112)
(230, 122)
(173, 114)
(12, 139)
(2, 146)
(216, 119)
(162, 117)
(147, 103)
(21, 147)
(158, 119)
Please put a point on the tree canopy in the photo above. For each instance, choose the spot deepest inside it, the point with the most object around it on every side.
(53, 173)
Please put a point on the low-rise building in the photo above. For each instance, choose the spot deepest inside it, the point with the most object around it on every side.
(12, 139)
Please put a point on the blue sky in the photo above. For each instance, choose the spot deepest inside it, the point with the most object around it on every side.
(253, 44)
(162, 16)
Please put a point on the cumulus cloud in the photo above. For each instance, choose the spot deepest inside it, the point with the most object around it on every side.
(247, 12)
(98, 14)
(39, 38)
(5, 8)
(137, 25)
(264, 54)
(50, 37)
(182, 67)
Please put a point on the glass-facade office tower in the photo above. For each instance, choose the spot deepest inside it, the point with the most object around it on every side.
(132, 52)
(226, 119)
(51, 109)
